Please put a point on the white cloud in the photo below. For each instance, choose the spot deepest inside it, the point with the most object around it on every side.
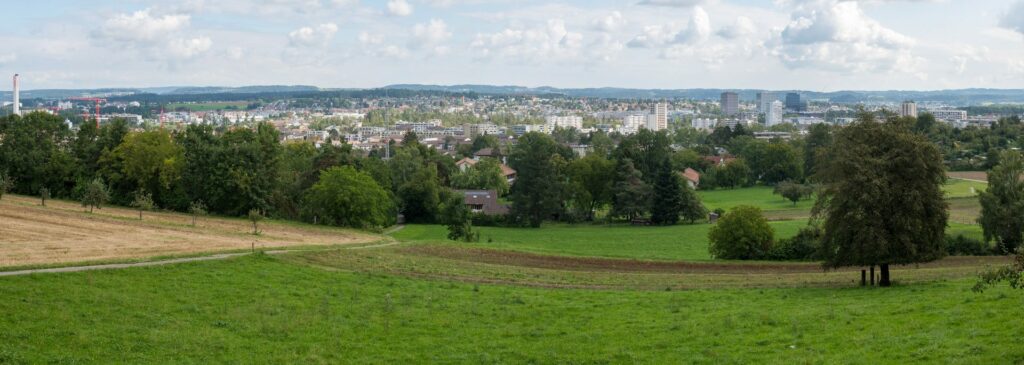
(312, 37)
(376, 45)
(156, 37)
(672, 3)
(6, 58)
(1014, 17)
(698, 30)
(743, 27)
(399, 8)
(431, 36)
(551, 41)
(142, 26)
(609, 23)
(836, 35)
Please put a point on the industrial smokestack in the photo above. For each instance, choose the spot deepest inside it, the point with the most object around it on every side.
(17, 97)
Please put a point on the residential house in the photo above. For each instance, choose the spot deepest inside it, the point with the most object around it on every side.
(483, 201)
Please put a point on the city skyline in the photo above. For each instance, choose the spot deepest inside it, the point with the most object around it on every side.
(822, 45)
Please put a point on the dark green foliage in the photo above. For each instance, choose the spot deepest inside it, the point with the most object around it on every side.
(805, 246)
(647, 150)
(666, 204)
(965, 246)
(420, 196)
(793, 191)
(349, 198)
(143, 202)
(691, 208)
(6, 183)
(1002, 204)
(484, 175)
(630, 194)
(733, 174)
(818, 139)
(539, 189)
(1012, 274)
(591, 183)
(458, 218)
(773, 162)
(881, 198)
(743, 234)
(95, 194)
(35, 153)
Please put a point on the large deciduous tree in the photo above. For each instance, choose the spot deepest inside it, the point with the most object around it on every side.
(538, 191)
(1002, 203)
(881, 199)
(591, 178)
(630, 194)
(743, 234)
(346, 197)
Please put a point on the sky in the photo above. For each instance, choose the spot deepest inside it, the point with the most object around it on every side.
(821, 45)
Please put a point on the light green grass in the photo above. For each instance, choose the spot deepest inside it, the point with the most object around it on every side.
(680, 242)
(957, 188)
(260, 310)
(758, 196)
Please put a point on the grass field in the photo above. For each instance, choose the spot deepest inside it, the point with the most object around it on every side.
(680, 242)
(263, 310)
(62, 232)
(205, 107)
(580, 294)
(959, 188)
(758, 196)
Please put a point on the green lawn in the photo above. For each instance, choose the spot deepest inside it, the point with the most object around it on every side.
(956, 188)
(680, 242)
(758, 196)
(262, 310)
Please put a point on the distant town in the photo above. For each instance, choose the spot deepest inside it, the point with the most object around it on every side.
(371, 119)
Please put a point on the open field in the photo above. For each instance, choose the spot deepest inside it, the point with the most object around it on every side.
(758, 196)
(204, 107)
(959, 188)
(266, 310)
(61, 232)
(680, 242)
(969, 175)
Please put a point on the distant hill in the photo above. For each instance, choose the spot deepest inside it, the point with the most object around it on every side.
(961, 97)
(956, 97)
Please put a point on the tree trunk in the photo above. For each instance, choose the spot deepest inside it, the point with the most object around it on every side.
(193, 220)
(140, 215)
(872, 275)
(884, 280)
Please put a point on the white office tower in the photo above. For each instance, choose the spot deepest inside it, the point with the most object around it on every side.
(908, 109)
(764, 101)
(774, 114)
(17, 96)
(658, 119)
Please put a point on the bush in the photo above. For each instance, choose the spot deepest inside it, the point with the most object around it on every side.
(484, 220)
(964, 246)
(346, 197)
(802, 247)
(743, 234)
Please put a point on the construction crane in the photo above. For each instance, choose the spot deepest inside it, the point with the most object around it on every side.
(95, 100)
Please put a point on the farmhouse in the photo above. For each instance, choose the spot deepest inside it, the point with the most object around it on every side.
(506, 171)
(692, 178)
(483, 201)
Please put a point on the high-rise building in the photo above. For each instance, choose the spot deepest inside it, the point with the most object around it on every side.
(793, 102)
(658, 119)
(764, 101)
(908, 109)
(730, 103)
(17, 96)
(774, 114)
(565, 122)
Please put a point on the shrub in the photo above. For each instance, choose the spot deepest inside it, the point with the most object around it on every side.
(964, 246)
(484, 220)
(94, 194)
(743, 234)
(802, 247)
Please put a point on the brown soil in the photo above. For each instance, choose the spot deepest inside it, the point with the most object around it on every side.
(524, 259)
(969, 175)
(62, 232)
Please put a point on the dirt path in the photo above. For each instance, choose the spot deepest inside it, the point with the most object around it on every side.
(222, 256)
